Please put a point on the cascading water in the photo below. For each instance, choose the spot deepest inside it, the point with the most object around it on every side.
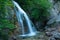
(20, 16)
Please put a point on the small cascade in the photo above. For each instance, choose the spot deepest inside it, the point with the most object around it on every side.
(24, 19)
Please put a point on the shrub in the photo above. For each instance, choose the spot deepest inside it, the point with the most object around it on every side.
(4, 22)
(37, 9)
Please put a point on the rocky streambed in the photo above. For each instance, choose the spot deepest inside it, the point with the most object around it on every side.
(50, 33)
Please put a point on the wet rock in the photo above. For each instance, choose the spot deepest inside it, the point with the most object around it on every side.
(48, 34)
(38, 25)
(58, 28)
(41, 36)
(58, 18)
(56, 35)
(53, 33)
(51, 38)
(14, 38)
(50, 29)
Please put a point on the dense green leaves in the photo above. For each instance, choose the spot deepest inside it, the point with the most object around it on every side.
(37, 9)
(5, 23)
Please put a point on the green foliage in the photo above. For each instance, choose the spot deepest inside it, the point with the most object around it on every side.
(4, 22)
(37, 9)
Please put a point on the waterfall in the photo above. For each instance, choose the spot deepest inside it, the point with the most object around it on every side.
(21, 14)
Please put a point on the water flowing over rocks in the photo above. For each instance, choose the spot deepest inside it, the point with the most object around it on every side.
(51, 32)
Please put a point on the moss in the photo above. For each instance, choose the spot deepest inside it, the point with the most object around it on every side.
(4, 22)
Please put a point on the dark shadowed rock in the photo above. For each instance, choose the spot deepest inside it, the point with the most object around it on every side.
(48, 34)
(51, 38)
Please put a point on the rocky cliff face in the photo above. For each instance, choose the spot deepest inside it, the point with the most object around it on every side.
(54, 12)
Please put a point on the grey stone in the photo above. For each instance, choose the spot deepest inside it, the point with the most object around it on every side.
(56, 35)
(48, 34)
(51, 38)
